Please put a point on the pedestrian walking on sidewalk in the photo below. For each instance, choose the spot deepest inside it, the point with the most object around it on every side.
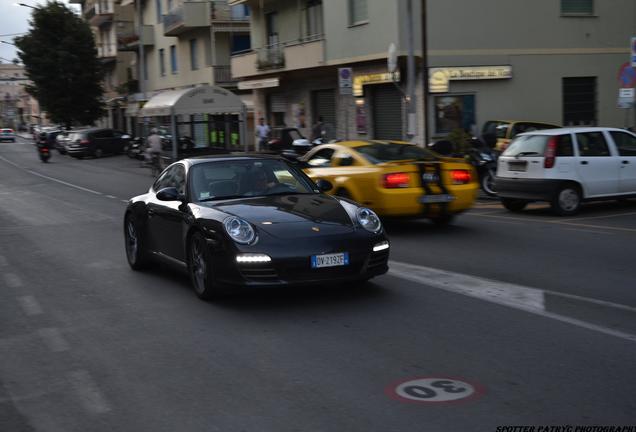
(263, 131)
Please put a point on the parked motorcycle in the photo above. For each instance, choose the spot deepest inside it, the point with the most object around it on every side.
(484, 159)
(136, 148)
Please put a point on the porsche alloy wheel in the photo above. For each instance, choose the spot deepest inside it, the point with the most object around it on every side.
(200, 269)
(135, 252)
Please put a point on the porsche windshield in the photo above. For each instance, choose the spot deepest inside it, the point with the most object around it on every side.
(246, 178)
(386, 152)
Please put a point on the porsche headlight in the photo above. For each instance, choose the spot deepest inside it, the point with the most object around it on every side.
(369, 220)
(239, 230)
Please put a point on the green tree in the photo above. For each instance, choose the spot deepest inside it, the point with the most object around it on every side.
(60, 59)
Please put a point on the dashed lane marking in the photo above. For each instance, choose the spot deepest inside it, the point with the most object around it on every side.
(87, 392)
(516, 296)
(51, 178)
(30, 305)
(53, 339)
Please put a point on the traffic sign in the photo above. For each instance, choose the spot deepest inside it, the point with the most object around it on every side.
(633, 49)
(625, 97)
(345, 80)
(626, 76)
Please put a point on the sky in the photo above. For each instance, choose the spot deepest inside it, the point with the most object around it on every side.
(15, 19)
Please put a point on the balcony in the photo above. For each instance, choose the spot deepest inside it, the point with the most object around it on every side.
(186, 17)
(104, 12)
(128, 36)
(225, 18)
(107, 52)
(223, 76)
(293, 55)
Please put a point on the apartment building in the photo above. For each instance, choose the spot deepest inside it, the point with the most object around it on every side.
(17, 107)
(548, 60)
(185, 44)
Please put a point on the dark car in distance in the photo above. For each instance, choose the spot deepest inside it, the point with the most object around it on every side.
(96, 142)
(252, 221)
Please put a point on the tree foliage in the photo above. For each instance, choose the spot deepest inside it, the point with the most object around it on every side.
(60, 59)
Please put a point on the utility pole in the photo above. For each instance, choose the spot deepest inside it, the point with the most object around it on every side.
(424, 63)
(141, 59)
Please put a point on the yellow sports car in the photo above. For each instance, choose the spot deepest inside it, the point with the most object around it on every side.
(395, 178)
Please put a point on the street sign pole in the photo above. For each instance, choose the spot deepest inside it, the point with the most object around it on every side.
(345, 83)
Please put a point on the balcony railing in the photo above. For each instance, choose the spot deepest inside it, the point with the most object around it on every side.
(223, 75)
(270, 57)
(298, 54)
(106, 51)
(104, 12)
(128, 36)
(186, 17)
(222, 11)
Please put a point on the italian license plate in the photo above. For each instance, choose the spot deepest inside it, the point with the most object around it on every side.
(330, 260)
(517, 166)
(427, 199)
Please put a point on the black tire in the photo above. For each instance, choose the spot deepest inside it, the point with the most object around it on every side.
(514, 205)
(136, 253)
(443, 220)
(200, 268)
(488, 183)
(567, 200)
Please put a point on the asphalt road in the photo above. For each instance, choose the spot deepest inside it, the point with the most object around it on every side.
(521, 319)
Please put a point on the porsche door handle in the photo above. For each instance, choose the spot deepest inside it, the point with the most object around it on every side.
(584, 162)
(625, 162)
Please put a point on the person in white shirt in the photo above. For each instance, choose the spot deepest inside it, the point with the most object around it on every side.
(262, 133)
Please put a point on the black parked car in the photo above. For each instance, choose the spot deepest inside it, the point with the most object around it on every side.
(96, 142)
(252, 220)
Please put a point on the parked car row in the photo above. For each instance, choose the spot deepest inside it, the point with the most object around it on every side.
(88, 141)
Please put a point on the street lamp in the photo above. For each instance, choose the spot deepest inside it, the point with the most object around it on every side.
(29, 6)
(8, 43)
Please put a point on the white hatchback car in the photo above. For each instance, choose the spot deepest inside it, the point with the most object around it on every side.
(567, 166)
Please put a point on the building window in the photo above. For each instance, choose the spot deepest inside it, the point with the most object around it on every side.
(194, 62)
(314, 19)
(159, 11)
(240, 42)
(271, 27)
(579, 101)
(454, 112)
(174, 66)
(577, 7)
(162, 62)
(358, 12)
(169, 5)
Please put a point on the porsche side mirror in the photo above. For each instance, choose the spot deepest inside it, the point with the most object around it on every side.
(324, 185)
(169, 194)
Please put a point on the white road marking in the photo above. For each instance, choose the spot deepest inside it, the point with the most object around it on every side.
(111, 197)
(12, 280)
(516, 296)
(53, 339)
(51, 178)
(30, 305)
(64, 183)
(88, 392)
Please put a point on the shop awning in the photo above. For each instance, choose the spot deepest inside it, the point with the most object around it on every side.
(196, 100)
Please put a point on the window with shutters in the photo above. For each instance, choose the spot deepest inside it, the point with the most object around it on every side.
(358, 12)
(577, 7)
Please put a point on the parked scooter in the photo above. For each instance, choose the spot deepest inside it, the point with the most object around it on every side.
(484, 158)
(136, 148)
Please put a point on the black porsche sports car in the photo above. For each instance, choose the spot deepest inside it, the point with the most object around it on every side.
(252, 220)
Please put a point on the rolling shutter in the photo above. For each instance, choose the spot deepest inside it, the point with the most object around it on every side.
(325, 107)
(387, 112)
